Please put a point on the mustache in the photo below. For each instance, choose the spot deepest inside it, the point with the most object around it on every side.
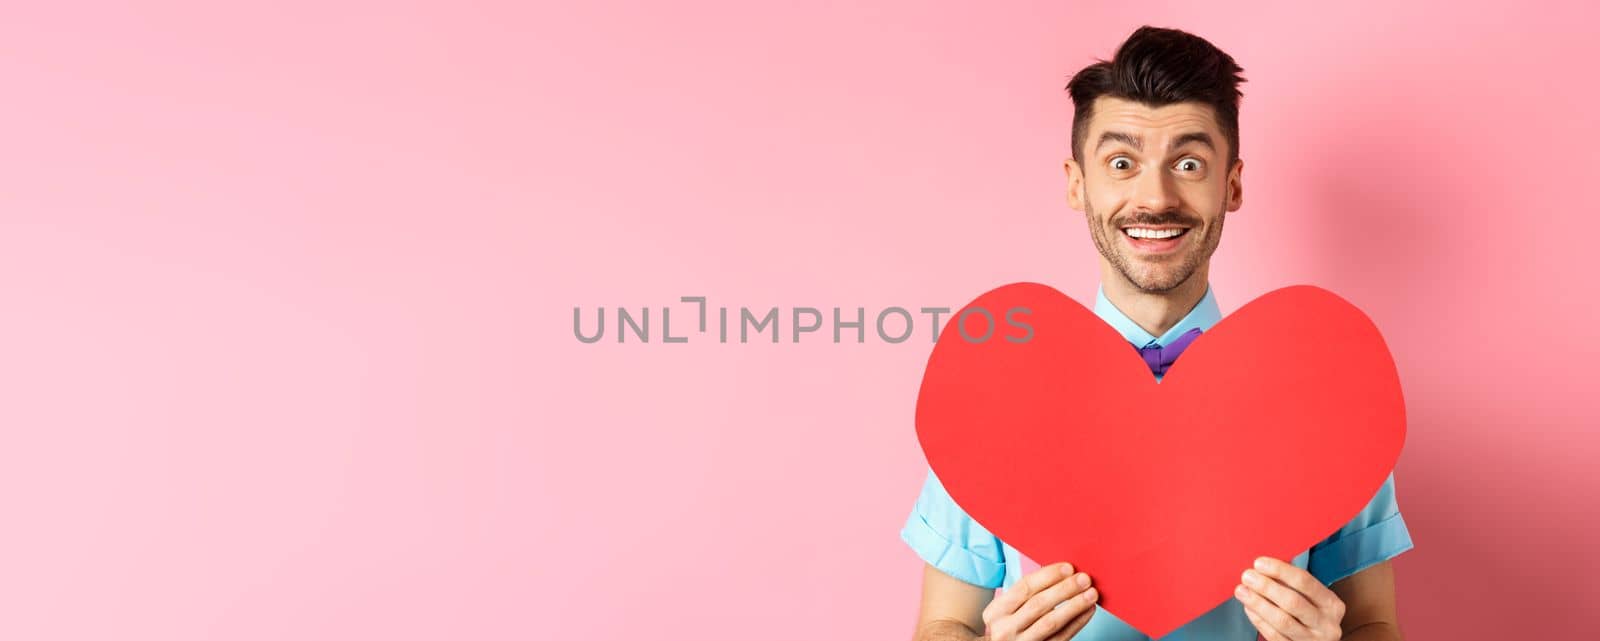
(1165, 218)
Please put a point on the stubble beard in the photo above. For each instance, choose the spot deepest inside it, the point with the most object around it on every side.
(1154, 277)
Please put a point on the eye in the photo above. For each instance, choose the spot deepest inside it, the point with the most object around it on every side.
(1189, 164)
(1121, 163)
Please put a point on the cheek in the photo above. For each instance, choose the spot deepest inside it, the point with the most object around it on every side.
(1105, 201)
(1205, 202)
(1206, 196)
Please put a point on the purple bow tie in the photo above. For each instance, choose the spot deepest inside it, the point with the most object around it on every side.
(1160, 358)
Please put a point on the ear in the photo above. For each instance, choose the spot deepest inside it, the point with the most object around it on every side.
(1236, 185)
(1074, 184)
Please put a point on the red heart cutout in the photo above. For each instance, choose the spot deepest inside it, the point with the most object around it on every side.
(1274, 429)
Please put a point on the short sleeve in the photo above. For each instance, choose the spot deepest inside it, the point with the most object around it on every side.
(1376, 534)
(947, 538)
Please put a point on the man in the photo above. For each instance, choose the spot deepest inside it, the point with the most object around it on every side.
(1155, 168)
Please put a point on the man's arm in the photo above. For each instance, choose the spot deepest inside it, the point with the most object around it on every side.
(1052, 603)
(952, 609)
(1287, 603)
(1368, 598)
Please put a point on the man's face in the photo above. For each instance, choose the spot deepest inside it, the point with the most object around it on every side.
(1146, 174)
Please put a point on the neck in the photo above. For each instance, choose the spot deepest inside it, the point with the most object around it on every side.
(1155, 312)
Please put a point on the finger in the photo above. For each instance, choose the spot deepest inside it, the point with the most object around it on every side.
(1074, 626)
(1043, 602)
(1057, 619)
(1298, 578)
(1286, 598)
(1281, 621)
(1267, 631)
(1013, 597)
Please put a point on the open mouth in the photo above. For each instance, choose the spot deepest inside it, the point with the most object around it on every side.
(1154, 239)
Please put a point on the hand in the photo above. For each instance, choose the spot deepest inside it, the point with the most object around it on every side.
(1286, 603)
(1027, 610)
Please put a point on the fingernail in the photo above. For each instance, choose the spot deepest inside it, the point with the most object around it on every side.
(1241, 592)
(1083, 580)
(1092, 594)
(1261, 564)
(1250, 577)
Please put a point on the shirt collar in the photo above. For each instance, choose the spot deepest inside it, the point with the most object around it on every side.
(1204, 315)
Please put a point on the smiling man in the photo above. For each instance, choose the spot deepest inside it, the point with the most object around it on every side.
(1155, 169)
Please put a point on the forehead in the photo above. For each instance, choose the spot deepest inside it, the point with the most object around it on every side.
(1154, 124)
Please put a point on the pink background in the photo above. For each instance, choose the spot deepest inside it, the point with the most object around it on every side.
(287, 350)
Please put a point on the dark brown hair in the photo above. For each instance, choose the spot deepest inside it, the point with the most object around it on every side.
(1158, 67)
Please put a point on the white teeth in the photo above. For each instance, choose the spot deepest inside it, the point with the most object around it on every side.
(1140, 232)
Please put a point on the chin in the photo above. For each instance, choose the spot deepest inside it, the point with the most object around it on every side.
(1158, 283)
(1156, 288)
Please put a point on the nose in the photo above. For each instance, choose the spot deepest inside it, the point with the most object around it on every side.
(1156, 192)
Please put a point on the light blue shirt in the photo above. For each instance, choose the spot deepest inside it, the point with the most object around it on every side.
(943, 535)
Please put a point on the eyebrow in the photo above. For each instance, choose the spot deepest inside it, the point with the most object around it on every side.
(1118, 136)
(1137, 143)
(1194, 136)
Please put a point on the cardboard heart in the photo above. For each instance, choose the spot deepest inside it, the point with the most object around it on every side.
(1271, 431)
